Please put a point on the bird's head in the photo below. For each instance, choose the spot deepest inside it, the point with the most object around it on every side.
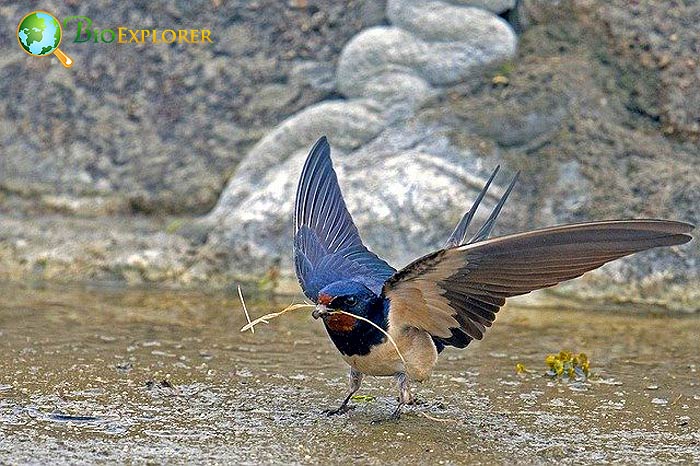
(346, 296)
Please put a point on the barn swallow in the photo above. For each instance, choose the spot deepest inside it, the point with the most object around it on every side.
(446, 298)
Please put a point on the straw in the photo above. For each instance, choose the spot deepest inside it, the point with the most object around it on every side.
(265, 319)
(294, 307)
(245, 309)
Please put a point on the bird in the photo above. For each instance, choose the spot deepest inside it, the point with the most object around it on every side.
(448, 297)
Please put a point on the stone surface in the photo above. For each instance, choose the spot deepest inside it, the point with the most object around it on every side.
(427, 40)
(557, 112)
(406, 190)
(386, 73)
(661, 45)
(570, 120)
(420, 101)
(124, 116)
(349, 123)
(495, 6)
(72, 249)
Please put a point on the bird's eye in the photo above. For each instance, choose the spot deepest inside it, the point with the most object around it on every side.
(351, 300)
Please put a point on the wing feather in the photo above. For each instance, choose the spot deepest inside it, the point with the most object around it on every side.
(454, 294)
(327, 245)
(459, 235)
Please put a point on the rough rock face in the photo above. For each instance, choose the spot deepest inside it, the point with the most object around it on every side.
(571, 117)
(662, 42)
(386, 73)
(426, 120)
(160, 128)
(406, 189)
(496, 6)
(420, 100)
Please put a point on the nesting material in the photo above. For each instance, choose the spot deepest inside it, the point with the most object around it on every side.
(295, 307)
(267, 317)
(245, 309)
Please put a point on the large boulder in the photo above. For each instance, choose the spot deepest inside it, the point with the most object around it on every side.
(406, 189)
(349, 123)
(400, 173)
(559, 112)
(159, 128)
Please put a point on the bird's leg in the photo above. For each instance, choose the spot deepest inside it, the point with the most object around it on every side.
(405, 396)
(355, 378)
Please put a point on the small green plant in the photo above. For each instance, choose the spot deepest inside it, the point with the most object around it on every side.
(568, 365)
(174, 226)
(363, 398)
(506, 68)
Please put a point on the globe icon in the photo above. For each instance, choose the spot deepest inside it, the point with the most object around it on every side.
(39, 34)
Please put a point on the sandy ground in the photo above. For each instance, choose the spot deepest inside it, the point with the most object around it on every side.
(110, 376)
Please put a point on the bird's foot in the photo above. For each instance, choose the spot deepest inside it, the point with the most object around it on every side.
(437, 405)
(342, 409)
(415, 401)
(395, 416)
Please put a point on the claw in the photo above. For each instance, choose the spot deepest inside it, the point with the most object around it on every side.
(415, 401)
(397, 413)
(342, 409)
(395, 416)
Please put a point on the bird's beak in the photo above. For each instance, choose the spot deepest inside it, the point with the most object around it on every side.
(320, 311)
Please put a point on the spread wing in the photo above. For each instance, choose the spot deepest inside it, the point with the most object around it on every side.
(327, 245)
(454, 294)
(459, 235)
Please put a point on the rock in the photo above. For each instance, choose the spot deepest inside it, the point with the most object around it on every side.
(393, 50)
(109, 250)
(386, 73)
(494, 6)
(406, 190)
(399, 94)
(164, 127)
(271, 98)
(531, 12)
(572, 126)
(665, 54)
(439, 126)
(350, 124)
(439, 21)
(317, 76)
(420, 100)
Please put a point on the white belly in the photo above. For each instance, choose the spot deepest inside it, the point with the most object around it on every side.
(416, 347)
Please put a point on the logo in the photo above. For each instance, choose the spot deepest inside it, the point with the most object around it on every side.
(39, 34)
(85, 32)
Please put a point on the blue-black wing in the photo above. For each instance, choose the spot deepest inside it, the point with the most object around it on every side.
(327, 245)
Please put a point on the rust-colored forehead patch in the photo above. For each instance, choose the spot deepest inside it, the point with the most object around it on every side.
(324, 299)
(341, 322)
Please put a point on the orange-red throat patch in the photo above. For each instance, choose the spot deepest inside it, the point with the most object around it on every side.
(324, 299)
(340, 322)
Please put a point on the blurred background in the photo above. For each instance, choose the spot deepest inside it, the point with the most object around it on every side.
(176, 164)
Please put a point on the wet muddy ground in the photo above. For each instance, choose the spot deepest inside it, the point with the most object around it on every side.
(95, 376)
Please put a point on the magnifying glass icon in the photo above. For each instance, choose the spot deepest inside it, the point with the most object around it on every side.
(39, 34)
